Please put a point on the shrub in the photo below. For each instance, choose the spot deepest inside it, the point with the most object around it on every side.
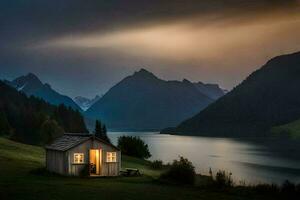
(181, 171)
(133, 146)
(288, 187)
(156, 164)
(223, 179)
(298, 188)
(266, 188)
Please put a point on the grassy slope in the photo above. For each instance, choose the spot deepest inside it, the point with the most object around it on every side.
(17, 182)
(292, 129)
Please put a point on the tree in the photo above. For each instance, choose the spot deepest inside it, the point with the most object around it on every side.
(49, 131)
(5, 128)
(104, 133)
(133, 146)
(101, 131)
(98, 129)
(71, 120)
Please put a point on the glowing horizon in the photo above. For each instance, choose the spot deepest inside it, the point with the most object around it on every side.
(222, 44)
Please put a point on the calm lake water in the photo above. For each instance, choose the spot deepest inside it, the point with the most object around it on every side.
(251, 161)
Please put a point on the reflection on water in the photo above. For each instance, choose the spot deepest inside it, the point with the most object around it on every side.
(257, 161)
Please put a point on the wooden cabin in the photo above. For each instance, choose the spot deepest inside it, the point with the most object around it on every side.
(72, 153)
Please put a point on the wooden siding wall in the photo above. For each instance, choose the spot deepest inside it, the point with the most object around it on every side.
(75, 169)
(55, 161)
(106, 169)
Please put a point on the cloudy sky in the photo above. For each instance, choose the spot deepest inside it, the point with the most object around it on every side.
(83, 47)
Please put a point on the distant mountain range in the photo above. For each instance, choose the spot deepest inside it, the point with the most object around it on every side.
(85, 103)
(144, 102)
(31, 85)
(268, 97)
(139, 102)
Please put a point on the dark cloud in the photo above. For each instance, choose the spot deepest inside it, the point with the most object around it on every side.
(24, 24)
(32, 20)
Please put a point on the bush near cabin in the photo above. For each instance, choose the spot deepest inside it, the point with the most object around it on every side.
(181, 171)
(223, 179)
(133, 146)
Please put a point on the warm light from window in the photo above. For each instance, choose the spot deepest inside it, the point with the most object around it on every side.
(78, 158)
(111, 157)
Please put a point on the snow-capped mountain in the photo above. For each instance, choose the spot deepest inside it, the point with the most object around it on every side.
(85, 103)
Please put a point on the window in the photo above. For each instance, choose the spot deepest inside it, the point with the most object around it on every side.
(111, 157)
(78, 158)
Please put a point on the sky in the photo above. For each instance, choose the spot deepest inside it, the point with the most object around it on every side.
(84, 47)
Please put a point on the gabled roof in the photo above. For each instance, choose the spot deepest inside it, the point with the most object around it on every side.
(70, 140)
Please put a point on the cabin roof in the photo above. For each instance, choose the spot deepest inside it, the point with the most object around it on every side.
(70, 140)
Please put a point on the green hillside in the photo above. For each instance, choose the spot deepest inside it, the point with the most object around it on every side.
(291, 129)
(21, 179)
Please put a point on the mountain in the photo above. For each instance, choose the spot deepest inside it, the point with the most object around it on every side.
(211, 90)
(34, 121)
(31, 85)
(268, 97)
(85, 103)
(144, 102)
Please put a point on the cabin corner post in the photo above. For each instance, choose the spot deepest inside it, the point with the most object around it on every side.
(66, 163)
(120, 162)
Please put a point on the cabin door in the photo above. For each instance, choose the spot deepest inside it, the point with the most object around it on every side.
(95, 161)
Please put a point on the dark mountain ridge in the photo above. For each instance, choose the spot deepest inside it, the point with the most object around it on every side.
(269, 97)
(31, 85)
(144, 102)
(211, 90)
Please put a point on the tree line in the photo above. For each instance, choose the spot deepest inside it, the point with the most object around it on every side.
(32, 120)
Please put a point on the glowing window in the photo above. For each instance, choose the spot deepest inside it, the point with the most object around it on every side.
(111, 157)
(78, 158)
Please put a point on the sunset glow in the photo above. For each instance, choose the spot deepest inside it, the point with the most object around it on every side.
(212, 44)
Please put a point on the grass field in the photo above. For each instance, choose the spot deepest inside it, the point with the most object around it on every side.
(17, 181)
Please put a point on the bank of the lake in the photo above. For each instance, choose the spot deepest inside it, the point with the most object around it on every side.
(19, 179)
(253, 161)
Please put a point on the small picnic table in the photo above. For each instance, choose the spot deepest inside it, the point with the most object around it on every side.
(131, 172)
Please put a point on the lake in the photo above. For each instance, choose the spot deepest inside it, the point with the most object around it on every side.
(251, 161)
